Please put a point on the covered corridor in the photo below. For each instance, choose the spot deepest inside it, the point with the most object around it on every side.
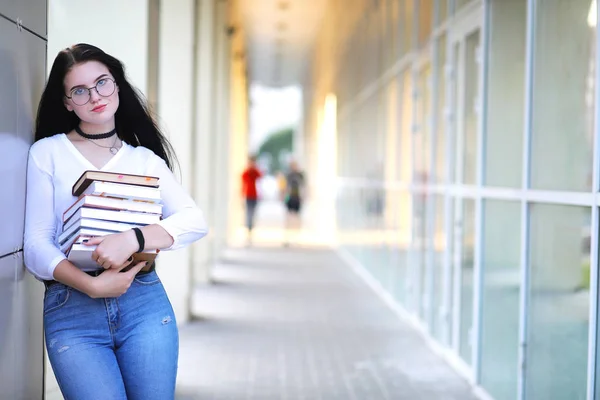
(299, 323)
(449, 247)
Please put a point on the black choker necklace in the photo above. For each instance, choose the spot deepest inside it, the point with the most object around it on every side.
(98, 136)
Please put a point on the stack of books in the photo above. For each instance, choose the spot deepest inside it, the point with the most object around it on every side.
(108, 203)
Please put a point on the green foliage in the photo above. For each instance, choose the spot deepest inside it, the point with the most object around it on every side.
(275, 147)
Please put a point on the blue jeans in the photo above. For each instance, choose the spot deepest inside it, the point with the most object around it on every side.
(113, 348)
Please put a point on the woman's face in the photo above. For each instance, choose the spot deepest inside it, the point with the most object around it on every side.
(95, 106)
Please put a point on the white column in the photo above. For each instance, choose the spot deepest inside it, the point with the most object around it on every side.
(202, 148)
(299, 135)
(175, 109)
(238, 123)
(221, 130)
(326, 146)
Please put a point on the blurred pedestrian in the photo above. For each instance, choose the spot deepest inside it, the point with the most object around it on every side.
(295, 190)
(250, 194)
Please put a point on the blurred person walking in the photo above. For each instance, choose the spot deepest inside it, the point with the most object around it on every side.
(249, 178)
(294, 193)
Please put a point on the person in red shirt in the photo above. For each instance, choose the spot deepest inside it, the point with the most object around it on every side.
(249, 177)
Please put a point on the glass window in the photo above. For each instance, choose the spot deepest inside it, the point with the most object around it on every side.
(448, 322)
(428, 273)
(418, 256)
(453, 113)
(391, 132)
(465, 68)
(559, 302)
(500, 298)
(394, 29)
(563, 92)
(461, 3)
(373, 34)
(466, 279)
(421, 155)
(440, 111)
(471, 113)
(425, 21)
(386, 15)
(442, 11)
(405, 117)
(399, 273)
(506, 99)
(422, 137)
(359, 55)
(406, 26)
(440, 244)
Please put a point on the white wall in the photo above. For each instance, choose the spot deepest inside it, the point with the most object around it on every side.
(120, 28)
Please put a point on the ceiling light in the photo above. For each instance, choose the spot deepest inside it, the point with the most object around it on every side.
(592, 18)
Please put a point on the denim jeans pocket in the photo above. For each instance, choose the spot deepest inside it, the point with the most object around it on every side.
(149, 278)
(56, 297)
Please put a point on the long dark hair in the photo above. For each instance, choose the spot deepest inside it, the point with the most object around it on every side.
(133, 120)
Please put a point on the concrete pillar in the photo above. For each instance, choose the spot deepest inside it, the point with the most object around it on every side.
(175, 95)
(326, 142)
(221, 129)
(238, 119)
(202, 149)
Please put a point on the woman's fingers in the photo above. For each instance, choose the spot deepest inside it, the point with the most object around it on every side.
(126, 264)
(106, 264)
(136, 268)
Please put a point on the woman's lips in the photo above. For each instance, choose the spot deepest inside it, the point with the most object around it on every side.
(99, 108)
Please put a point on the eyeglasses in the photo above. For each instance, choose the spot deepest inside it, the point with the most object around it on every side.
(81, 95)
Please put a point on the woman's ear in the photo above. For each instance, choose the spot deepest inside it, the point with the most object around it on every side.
(67, 105)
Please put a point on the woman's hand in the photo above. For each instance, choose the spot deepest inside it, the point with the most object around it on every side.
(114, 251)
(113, 282)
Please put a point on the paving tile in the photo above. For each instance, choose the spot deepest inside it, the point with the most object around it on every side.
(299, 324)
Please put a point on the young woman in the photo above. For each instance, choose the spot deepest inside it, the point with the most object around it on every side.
(109, 334)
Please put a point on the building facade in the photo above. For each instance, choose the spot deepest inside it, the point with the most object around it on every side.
(466, 155)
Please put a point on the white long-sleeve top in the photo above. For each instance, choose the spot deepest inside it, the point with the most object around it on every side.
(53, 167)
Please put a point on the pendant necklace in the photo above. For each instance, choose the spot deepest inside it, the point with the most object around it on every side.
(112, 148)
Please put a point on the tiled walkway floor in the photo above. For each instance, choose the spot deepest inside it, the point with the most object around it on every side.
(299, 324)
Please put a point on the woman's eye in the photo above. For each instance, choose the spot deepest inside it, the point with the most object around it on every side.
(101, 82)
(78, 91)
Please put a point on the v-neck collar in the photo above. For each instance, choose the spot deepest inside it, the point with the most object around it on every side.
(87, 162)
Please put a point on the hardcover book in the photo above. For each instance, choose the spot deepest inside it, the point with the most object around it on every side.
(108, 203)
(101, 176)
